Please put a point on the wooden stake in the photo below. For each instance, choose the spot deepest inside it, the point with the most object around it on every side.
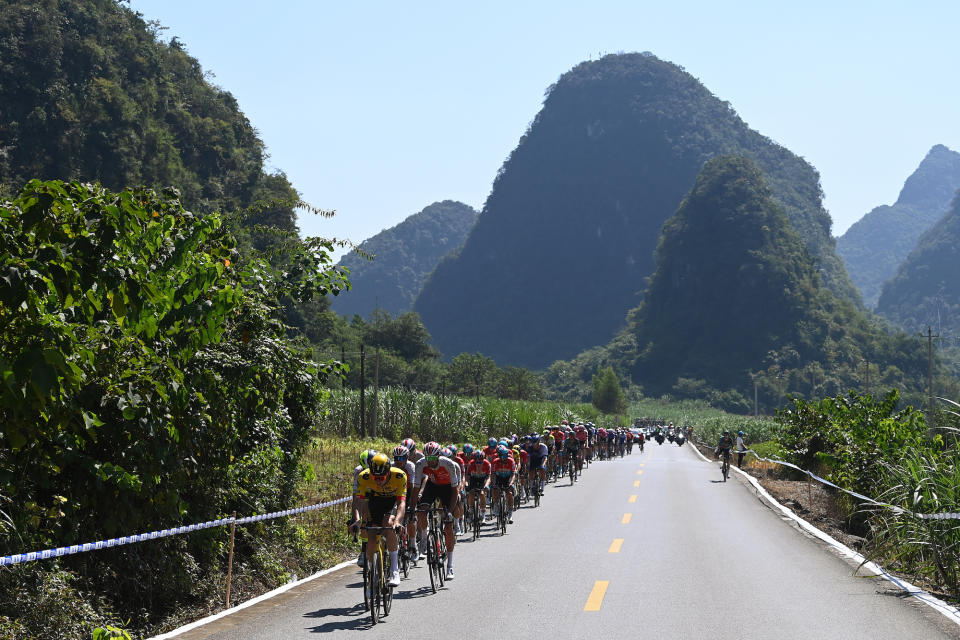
(233, 529)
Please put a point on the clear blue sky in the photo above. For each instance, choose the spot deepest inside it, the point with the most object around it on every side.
(377, 109)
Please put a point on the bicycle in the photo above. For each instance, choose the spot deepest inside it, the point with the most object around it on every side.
(725, 466)
(436, 544)
(380, 599)
(533, 488)
(502, 511)
(572, 468)
(476, 520)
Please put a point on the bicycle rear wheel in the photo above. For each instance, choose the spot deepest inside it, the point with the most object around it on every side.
(376, 586)
(432, 560)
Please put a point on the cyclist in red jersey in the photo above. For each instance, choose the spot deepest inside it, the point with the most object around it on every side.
(478, 477)
(438, 478)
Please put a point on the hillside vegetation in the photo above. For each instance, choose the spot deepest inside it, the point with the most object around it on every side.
(877, 244)
(567, 235)
(401, 259)
(736, 298)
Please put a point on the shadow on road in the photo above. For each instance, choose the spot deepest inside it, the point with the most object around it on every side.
(357, 618)
(419, 593)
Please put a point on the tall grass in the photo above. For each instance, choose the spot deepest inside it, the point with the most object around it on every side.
(922, 482)
(425, 416)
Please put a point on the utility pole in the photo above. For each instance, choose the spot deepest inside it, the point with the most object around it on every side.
(930, 338)
(376, 393)
(363, 404)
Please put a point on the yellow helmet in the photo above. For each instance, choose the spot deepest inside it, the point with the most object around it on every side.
(380, 465)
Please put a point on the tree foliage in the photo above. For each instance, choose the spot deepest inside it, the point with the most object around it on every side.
(397, 261)
(146, 379)
(607, 395)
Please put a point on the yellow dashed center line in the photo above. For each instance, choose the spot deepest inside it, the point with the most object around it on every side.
(636, 483)
(633, 498)
(639, 472)
(626, 518)
(596, 596)
(615, 546)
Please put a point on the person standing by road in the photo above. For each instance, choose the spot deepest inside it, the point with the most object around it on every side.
(741, 449)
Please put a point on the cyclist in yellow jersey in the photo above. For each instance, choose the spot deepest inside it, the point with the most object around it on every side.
(382, 490)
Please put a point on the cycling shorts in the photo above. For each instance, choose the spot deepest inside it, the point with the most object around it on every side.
(379, 508)
(502, 483)
(476, 484)
(537, 463)
(442, 491)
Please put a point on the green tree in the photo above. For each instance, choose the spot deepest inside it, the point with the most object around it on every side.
(472, 372)
(608, 397)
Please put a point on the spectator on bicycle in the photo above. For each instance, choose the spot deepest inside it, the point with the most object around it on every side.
(382, 492)
(438, 478)
(741, 449)
(724, 446)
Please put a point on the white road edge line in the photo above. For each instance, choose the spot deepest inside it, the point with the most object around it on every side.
(251, 602)
(951, 613)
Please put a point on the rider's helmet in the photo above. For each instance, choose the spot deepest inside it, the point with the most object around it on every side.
(503, 443)
(492, 442)
(366, 456)
(379, 465)
(453, 450)
(431, 449)
(400, 453)
(503, 452)
(467, 450)
(409, 444)
(479, 456)
(740, 433)
(446, 452)
(726, 433)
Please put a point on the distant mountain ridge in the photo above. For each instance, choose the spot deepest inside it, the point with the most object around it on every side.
(566, 238)
(404, 255)
(876, 245)
(926, 289)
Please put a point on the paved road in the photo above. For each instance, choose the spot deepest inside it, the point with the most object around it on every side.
(696, 558)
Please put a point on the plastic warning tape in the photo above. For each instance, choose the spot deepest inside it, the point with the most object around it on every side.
(153, 535)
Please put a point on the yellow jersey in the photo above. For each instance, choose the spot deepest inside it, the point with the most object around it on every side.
(394, 487)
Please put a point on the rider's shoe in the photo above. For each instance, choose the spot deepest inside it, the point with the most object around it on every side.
(394, 579)
(509, 518)
(449, 573)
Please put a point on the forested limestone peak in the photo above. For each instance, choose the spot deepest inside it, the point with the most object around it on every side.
(733, 281)
(926, 291)
(402, 258)
(89, 92)
(567, 235)
(877, 244)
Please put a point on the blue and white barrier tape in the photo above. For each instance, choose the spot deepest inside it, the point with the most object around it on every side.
(899, 510)
(163, 533)
(290, 512)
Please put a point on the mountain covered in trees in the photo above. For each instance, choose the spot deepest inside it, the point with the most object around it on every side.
(875, 246)
(89, 92)
(402, 258)
(566, 238)
(736, 296)
(926, 289)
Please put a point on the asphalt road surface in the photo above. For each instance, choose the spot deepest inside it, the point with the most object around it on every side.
(651, 545)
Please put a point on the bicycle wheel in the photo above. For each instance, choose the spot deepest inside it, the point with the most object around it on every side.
(725, 470)
(432, 560)
(366, 584)
(376, 586)
(441, 555)
(386, 599)
(502, 519)
(536, 494)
